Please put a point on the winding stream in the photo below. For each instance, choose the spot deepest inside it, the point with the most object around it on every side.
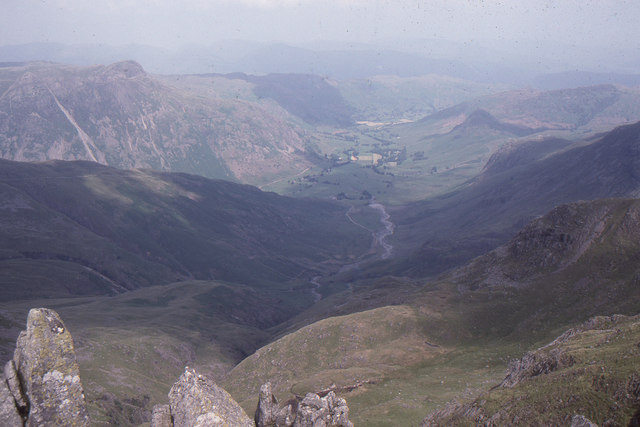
(379, 237)
(380, 247)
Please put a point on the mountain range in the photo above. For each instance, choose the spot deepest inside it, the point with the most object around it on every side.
(120, 116)
(445, 270)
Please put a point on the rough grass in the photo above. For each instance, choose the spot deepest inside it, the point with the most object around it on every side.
(345, 351)
(602, 383)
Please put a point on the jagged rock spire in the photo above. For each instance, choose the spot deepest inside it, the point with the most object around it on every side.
(43, 378)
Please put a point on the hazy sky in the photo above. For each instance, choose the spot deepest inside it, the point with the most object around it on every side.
(173, 23)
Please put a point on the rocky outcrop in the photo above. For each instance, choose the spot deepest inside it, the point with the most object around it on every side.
(41, 387)
(316, 411)
(536, 363)
(267, 409)
(196, 401)
(312, 411)
(581, 421)
(43, 378)
(589, 363)
(13, 382)
(161, 416)
(9, 415)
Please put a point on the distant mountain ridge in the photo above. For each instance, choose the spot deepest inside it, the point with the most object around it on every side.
(339, 61)
(483, 119)
(490, 208)
(312, 98)
(598, 107)
(121, 116)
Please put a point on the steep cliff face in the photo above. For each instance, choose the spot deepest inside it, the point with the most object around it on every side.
(565, 238)
(120, 116)
(43, 378)
(315, 410)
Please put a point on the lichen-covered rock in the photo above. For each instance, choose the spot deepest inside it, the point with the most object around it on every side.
(267, 409)
(197, 402)
(535, 363)
(316, 411)
(49, 375)
(312, 412)
(287, 414)
(11, 378)
(581, 421)
(161, 416)
(9, 416)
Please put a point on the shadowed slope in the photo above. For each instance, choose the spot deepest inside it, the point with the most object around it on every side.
(102, 230)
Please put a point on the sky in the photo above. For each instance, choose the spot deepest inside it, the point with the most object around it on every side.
(168, 23)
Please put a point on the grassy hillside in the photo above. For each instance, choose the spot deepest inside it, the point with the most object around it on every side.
(453, 337)
(591, 108)
(590, 370)
(389, 99)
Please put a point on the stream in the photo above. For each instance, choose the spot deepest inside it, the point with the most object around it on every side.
(379, 237)
(378, 242)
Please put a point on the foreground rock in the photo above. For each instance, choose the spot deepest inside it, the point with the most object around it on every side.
(312, 411)
(195, 401)
(43, 378)
(41, 387)
(316, 411)
(161, 416)
(9, 415)
(267, 410)
(581, 421)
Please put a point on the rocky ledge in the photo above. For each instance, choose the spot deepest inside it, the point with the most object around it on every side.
(41, 387)
(196, 401)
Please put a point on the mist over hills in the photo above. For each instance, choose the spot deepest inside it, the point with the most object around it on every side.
(338, 62)
(598, 107)
(310, 97)
(469, 60)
